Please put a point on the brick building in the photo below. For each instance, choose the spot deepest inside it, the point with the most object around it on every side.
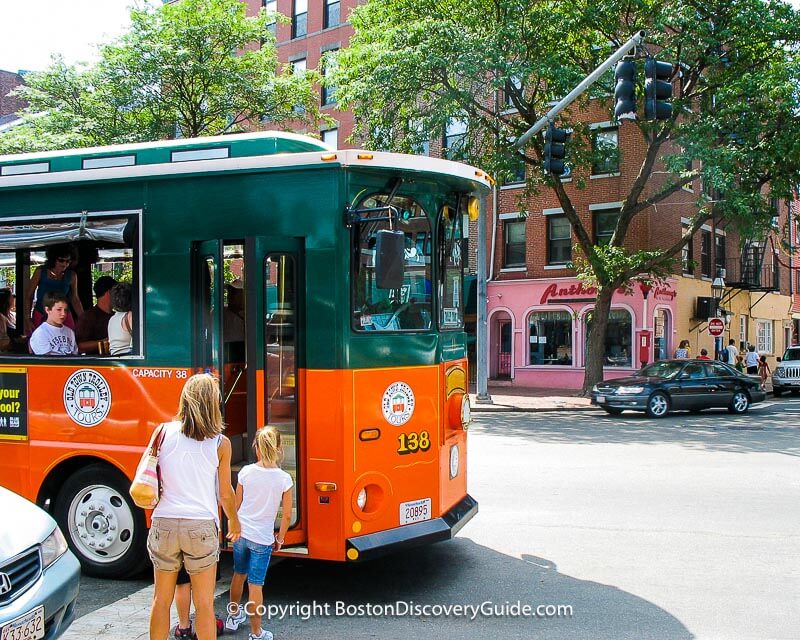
(9, 105)
(538, 311)
(537, 308)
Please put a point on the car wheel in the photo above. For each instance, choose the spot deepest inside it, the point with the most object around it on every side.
(657, 405)
(740, 402)
(104, 529)
(612, 411)
(777, 392)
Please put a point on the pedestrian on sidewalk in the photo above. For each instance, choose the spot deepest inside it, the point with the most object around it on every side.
(194, 459)
(732, 352)
(703, 355)
(751, 360)
(682, 352)
(262, 488)
(763, 372)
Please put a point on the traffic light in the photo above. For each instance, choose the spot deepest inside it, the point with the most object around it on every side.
(657, 90)
(625, 90)
(555, 149)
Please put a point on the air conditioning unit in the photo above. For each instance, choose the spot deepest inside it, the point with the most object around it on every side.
(705, 308)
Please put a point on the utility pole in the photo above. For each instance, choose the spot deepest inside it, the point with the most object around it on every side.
(482, 330)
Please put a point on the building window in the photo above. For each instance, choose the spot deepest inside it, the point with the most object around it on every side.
(328, 93)
(550, 338)
(299, 68)
(514, 239)
(331, 17)
(705, 254)
(559, 240)
(687, 255)
(743, 332)
(513, 88)
(271, 7)
(605, 150)
(455, 139)
(604, 224)
(719, 252)
(331, 137)
(618, 339)
(299, 18)
(764, 336)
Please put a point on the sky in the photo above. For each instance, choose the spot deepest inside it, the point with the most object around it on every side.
(32, 30)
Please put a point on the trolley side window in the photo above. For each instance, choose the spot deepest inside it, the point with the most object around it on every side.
(408, 307)
(97, 246)
(451, 266)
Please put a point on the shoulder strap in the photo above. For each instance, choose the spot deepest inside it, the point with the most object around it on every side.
(158, 440)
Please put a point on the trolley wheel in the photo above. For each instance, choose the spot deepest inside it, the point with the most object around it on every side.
(657, 405)
(104, 528)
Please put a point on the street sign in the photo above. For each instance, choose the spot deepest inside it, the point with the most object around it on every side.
(716, 326)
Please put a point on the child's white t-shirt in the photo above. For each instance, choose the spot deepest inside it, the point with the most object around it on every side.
(263, 489)
(49, 340)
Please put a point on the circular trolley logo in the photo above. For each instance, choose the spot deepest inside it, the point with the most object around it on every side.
(87, 397)
(398, 403)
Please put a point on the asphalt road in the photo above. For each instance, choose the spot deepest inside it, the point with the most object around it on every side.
(684, 527)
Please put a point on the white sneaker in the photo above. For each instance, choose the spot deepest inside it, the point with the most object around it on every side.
(264, 635)
(232, 622)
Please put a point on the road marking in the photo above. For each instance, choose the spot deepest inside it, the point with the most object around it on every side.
(128, 617)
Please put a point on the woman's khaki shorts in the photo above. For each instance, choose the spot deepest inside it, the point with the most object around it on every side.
(176, 541)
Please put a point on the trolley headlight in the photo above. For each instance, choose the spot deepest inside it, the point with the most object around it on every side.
(466, 412)
(53, 547)
(453, 461)
(361, 499)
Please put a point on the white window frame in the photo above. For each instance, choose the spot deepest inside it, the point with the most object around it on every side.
(764, 336)
(743, 329)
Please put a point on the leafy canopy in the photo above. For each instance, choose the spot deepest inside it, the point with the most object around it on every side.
(498, 64)
(186, 68)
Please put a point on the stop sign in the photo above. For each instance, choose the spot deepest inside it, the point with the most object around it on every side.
(716, 326)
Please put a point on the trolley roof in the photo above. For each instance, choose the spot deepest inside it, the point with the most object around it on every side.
(249, 151)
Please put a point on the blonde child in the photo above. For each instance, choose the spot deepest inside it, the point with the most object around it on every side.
(263, 487)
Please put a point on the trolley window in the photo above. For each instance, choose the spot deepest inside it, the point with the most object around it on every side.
(409, 307)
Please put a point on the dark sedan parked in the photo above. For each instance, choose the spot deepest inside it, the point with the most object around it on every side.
(679, 384)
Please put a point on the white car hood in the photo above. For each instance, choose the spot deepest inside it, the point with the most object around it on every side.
(22, 524)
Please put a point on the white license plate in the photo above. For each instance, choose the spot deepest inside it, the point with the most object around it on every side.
(27, 627)
(601, 399)
(415, 511)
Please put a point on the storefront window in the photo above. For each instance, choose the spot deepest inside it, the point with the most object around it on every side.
(660, 333)
(550, 338)
(618, 339)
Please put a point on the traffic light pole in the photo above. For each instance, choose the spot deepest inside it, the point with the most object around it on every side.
(620, 53)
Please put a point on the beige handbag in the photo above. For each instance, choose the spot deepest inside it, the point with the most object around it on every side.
(146, 486)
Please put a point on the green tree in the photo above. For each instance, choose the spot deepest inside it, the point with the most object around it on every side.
(189, 68)
(414, 64)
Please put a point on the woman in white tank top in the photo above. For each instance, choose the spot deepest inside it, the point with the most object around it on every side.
(195, 464)
(120, 325)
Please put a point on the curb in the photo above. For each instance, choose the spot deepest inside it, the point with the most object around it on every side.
(505, 408)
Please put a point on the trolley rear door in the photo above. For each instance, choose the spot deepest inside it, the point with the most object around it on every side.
(247, 294)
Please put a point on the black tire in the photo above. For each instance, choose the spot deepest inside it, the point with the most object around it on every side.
(613, 411)
(777, 392)
(93, 508)
(740, 402)
(657, 405)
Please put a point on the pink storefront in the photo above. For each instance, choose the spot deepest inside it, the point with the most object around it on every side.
(537, 330)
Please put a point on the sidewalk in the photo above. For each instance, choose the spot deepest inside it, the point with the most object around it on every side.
(507, 398)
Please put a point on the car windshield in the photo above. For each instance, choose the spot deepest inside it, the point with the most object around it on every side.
(792, 354)
(661, 370)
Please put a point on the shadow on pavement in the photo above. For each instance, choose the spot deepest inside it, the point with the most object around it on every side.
(713, 430)
(456, 572)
